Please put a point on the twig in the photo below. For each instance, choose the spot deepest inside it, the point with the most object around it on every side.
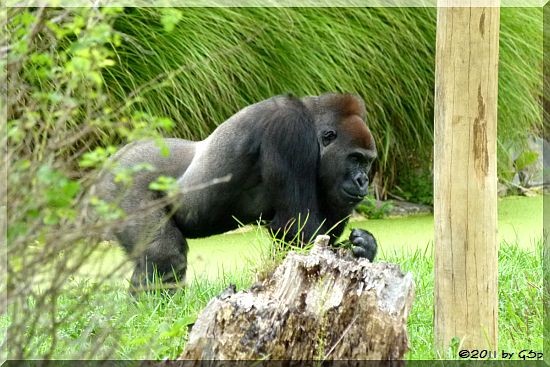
(342, 336)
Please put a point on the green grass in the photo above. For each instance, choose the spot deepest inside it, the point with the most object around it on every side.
(112, 324)
(103, 321)
(520, 316)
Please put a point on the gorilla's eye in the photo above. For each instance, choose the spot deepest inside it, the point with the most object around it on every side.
(359, 159)
(356, 158)
(328, 136)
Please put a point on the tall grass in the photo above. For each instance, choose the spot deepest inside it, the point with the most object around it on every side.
(216, 61)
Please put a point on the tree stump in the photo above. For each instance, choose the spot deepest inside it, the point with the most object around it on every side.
(325, 305)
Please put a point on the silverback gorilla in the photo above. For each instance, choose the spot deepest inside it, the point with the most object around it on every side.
(288, 160)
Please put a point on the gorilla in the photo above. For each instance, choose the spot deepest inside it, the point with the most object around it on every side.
(300, 165)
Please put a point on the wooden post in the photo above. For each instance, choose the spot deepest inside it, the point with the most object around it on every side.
(465, 181)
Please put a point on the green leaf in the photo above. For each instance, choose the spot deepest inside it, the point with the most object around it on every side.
(106, 210)
(125, 175)
(96, 157)
(59, 190)
(15, 133)
(526, 159)
(169, 18)
(164, 183)
(50, 217)
(164, 123)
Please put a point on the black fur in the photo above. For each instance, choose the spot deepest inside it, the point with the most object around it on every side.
(288, 160)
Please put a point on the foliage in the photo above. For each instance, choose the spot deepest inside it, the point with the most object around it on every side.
(520, 323)
(525, 159)
(374, 209)
(217, 61)
(57, 114)
(526, 166)
(104, 320)
(415, 185)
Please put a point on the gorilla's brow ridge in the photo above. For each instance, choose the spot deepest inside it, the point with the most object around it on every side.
(355, 127)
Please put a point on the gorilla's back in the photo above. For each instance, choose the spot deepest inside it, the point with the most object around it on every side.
(146, 152)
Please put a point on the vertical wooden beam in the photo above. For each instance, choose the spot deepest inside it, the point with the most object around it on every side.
(465, 180)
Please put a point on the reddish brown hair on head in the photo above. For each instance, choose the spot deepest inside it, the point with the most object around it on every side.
(358, 132)
(347, 104)
(352, 111)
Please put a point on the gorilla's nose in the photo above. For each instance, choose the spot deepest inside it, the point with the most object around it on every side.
(362, 182)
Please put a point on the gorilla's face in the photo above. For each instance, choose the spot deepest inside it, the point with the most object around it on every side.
(347, 153)
(355, 179)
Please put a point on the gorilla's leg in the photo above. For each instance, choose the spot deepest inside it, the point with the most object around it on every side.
(152, 239)
(165, 257)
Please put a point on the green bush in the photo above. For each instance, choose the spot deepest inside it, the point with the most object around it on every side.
(415, 184)
(199, 66)
(57, 115)
(374, 209)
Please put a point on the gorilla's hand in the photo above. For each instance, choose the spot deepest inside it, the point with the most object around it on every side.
(363, 244)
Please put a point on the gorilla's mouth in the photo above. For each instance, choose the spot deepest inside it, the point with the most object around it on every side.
(353, 196)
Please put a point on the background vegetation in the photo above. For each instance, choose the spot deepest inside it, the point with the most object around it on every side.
(82, 81)
(217, 61)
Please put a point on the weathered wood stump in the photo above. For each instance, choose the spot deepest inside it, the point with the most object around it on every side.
(323, 305)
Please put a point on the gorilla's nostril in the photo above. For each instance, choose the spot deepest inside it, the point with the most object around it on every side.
(361, 180)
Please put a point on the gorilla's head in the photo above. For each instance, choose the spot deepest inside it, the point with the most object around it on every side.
(347, 148)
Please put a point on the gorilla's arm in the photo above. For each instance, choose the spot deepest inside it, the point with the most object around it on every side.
(289, 156)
